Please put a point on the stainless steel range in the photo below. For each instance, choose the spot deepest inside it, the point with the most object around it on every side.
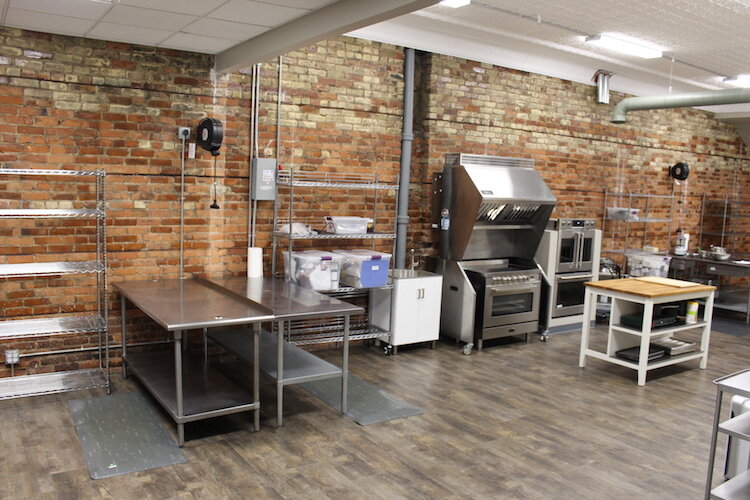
(492, 215)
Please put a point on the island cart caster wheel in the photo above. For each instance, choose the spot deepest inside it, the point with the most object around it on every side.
(466, 349)
(387, 350)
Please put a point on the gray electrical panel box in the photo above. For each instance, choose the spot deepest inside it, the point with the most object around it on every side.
(263, 179)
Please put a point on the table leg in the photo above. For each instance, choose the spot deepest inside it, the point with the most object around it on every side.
(123, 307)
(178, 385)
(205, 345)
(714, 432)
(279, 373)
(345, 366)
(648, 313)
(256, 375)
(708, 314)
(585, 327)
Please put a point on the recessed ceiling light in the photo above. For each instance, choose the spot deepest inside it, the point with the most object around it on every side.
(112, 2)
(624, 44)
(737, 81)
(455, 3)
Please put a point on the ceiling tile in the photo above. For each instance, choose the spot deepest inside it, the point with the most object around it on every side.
(263, 14)
(197, 43)
(301, 4)
(129, 34)
(225, 30)
(191, 7)
(48, 23)
(82, 9)
(147, 18)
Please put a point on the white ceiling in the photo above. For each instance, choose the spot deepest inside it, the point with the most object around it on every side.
(208, 26)
(709, 39)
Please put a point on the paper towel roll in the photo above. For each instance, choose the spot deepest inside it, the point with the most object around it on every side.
(254, 262)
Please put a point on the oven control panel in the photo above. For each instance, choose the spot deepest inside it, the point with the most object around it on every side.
(575, 224)
(509, 279)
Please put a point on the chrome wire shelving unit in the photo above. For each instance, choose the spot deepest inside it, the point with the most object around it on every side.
(46, 326)
(328, 331)
(726, 221)
(648, 205)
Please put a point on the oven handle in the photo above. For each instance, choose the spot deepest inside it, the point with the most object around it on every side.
(531, 287)
(575, 277)
(580, 250)
(576, 248)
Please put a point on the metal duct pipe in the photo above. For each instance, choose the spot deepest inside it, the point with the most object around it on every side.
(707, 98)
(602, 86)
(407, 137)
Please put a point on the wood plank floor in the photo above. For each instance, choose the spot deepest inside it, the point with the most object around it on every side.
(513, 421)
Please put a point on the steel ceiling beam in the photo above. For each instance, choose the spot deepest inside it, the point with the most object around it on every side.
(327, 22)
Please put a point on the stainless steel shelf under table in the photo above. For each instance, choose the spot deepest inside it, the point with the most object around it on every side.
(179, 305)
(288, 303)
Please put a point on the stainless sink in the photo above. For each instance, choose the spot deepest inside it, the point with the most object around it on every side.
(400, 274)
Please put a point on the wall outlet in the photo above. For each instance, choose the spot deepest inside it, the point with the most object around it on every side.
(12, 356)
(183, 132)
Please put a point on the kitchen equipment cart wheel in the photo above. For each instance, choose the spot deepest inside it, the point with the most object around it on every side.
(544, 336)
(466, 349)
(387, 349)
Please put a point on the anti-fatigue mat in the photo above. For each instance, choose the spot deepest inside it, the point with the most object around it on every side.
(366, 403)
(121, 433)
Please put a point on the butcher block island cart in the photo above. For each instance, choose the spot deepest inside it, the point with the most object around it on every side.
(633, 296)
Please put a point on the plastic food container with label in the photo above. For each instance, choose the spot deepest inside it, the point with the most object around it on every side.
(347, 225)
(316, 269)
(364, 268)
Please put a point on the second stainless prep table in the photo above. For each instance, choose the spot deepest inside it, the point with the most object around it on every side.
(287, 364)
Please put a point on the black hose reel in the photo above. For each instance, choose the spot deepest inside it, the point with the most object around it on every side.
(210, 134)
(679, 171)
(209, 137)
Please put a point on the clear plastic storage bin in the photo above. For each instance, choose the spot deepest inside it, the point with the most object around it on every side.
(347, 225)
(648, 265)
(364, 268)
(314, 269)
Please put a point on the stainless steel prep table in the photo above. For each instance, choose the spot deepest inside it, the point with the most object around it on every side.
(720, 268)
(179, 305)
(288, 302)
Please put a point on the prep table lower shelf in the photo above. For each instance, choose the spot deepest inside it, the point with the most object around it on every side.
(206, 392)
(299, 365)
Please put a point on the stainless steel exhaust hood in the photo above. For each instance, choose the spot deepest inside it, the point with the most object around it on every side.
(498, 207)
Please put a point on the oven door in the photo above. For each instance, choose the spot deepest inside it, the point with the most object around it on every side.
(568, 294)
(509, 304)
(575, 251)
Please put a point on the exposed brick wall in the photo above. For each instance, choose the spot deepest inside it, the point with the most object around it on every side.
(478, 108)
(72, 103)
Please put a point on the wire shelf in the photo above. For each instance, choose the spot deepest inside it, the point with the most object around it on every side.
(331, 180)
(16, 329)
(332, 236)
(49, 269)
(51, 213)
(33, 171)
(51, 383)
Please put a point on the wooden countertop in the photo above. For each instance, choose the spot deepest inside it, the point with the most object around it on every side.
(650, 287)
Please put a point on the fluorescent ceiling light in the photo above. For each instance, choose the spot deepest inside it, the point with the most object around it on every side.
(738, 81)
(455, 3)
(622, 44)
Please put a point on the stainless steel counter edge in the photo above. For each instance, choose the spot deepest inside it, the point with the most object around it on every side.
(711, 261)
(341, 309)
(122, 289)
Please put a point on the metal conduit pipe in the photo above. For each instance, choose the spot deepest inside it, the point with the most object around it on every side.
(707, 98)
(407, 137)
